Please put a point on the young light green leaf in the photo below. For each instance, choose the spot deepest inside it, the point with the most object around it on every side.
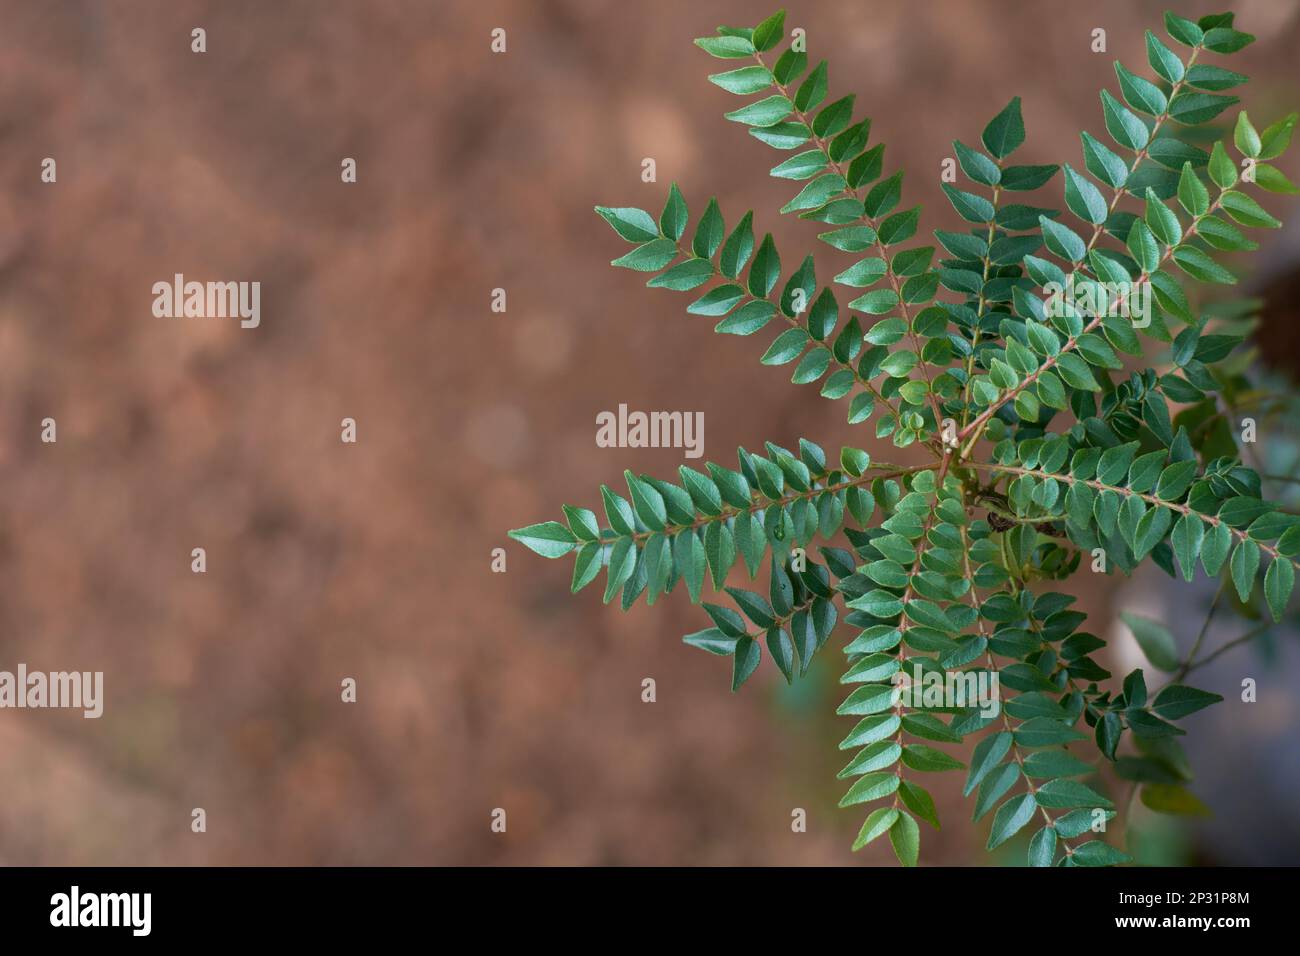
(1192, 194)
(1164, 224)
(550, 539)
(622, 563)
(586, 566)
(634, 225)
(801, 166)
(1246, 211)
(765, 112)
(1171, 798)
(1222, 170)
(905, 837)
(714, 641)
(726, 47)
(744, 81)
(1142, 246)
(1244, 136)
(1277, 137)
(878, 823)
(1154, 639)
(648, 257)
(768, 33)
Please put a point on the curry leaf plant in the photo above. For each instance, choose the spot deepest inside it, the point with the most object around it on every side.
(1064, 390)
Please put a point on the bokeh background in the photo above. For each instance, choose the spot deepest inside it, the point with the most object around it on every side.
(477, 690)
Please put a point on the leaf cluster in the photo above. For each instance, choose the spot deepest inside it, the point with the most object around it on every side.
(1059, 429)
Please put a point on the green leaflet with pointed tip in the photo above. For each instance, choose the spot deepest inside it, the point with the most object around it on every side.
(1123, 125)
(1011, 816)
(1042, 847)
(765, 112)
(905, 838)
(1140, 93)
(550, 539)
(1083, 198)
(878, 823)
(1163, 60)
(746, 80)
(745, 660)
(1278, 584)
(976, 165)
(1062, 240)
(586, 567)
(634, 225)
(1192, 194)
(1005, 132)
(1243, 566)
(1244, 136)
(969, 206)
(726, 47)
(1103, 162)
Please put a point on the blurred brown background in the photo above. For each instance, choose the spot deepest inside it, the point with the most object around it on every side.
(476, 690)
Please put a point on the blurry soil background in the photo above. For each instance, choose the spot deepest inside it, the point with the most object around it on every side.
(325, 560)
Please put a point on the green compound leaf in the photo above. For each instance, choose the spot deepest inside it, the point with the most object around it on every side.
(1064, 433)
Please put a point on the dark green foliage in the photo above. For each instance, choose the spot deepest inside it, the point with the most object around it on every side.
(1047, 446)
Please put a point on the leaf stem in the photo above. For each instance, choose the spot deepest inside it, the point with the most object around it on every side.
(970, 433)
(729, 511)
(890, 274)
(1148, 498)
